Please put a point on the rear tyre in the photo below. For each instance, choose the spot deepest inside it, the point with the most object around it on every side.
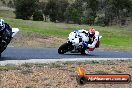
(83, 50)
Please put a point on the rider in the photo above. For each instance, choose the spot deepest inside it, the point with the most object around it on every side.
(5, 31)
(2, 26)
(93, 39)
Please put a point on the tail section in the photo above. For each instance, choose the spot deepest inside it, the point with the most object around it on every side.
(14, 31)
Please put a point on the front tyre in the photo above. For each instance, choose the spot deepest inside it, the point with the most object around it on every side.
(65, 48)
(3, 46)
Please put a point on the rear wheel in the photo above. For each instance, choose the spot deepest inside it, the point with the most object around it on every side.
(83, 52)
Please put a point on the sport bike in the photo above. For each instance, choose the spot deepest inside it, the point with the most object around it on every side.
(6, 38)
(77, 43)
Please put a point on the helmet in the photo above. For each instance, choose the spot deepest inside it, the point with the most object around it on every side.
(2, 25)
(91, 32)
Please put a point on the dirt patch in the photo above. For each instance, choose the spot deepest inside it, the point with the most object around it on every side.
(62, 75)
(29, 39)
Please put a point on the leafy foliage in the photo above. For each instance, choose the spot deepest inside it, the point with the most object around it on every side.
(38, 16)
(11, 4)
(55, 9)
(115, 10)
(101, 12)
(25, 8)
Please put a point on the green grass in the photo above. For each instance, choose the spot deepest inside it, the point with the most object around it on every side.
(115, 37)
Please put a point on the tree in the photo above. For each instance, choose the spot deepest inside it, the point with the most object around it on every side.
(38, 16)
(74, 12)
(114, 11)
(62, 5)
(51, 9)
(122, 7)
(25, 8)
(55, 9)
(45, 12)
(82, 11)
(10, 4)
(3, 2)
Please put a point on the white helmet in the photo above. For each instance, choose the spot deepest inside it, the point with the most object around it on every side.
(2, 24)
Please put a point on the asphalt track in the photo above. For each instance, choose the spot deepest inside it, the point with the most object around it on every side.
(51, 53)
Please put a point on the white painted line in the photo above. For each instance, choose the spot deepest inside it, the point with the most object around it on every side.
(18, 62)
(80, 59)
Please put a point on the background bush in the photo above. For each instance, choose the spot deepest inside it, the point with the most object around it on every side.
(38, 16)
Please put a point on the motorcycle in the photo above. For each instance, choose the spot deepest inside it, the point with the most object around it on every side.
(6, 38)
(77, 43)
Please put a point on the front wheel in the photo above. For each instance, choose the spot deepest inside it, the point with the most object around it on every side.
(65, 48)
(83, 51)
(3, 46)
